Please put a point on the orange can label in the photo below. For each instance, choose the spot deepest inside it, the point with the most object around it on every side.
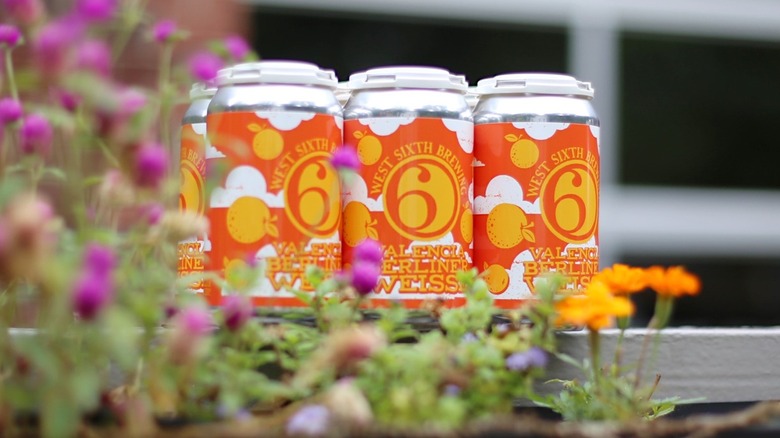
(192, 198)
(413, 196)
(278, 203)
(536, 205)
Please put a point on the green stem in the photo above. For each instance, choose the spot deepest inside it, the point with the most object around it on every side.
(133, 15)
(163, 85)
(618, 352)
(595, 356)
(9, 72)
(651, 326)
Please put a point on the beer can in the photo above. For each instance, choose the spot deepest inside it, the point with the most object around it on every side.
(413, 132)
(274, 126)
(343, 93)
(536, 182)
(192, 172)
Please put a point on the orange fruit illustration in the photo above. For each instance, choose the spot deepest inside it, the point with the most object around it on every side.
(249, 220)
(507, 226)
(358, 224)
(369, 148)
(467, 225)
(267, 143)
(524, 152)
(496, 277)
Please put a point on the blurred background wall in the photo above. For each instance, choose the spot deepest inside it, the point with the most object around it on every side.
(688, 92)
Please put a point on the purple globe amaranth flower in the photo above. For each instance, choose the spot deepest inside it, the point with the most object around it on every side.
(9, 35)
(131, 100)
(96, 10)
(24, 11)
(237, 310)
(36, 134)
(54, 42)
(69, 101)
(99, 259)
(10, 110)
(369, 251)
(345, 158)
(163, 30)
(205, 65)
(237, 47)
(534, 357)
(151, 165)
(154, 213)
(195, 320)
(95, 56)
(365, 277)
(312, 420)
(91, 294)
(452, 390)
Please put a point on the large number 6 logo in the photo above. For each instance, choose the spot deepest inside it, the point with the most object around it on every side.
(569, 202)
(421, 198)
(311, 196)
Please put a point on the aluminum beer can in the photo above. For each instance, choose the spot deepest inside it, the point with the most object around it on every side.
(413, 132)
(192, 173)
(274, 126)
(536, 183)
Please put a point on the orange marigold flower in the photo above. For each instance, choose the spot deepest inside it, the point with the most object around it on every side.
(595, 309)
(673, 282)
(623, 279)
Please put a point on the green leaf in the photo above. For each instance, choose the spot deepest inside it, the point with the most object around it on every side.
(85, 386)
(61, 417)
(55, 173)
(570, 360)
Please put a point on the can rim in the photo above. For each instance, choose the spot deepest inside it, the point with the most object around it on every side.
(277, 72)
(535, 83)
(408, 76)
(200, 90)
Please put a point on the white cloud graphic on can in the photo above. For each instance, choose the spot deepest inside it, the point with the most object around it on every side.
(518, 289)
(596, 131)
(211, 151)
(286, 121)
(477, 163)
(504, 189)
(464, 131)
(244, 181)
(357, 191)
(385, 125)
(540, 130)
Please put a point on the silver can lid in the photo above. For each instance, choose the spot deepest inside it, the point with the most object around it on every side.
(408, 77)
(535, 83)
(277, 72)
(200, 90)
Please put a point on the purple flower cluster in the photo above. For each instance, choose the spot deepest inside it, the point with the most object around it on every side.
(9, 35)
(345, 158)
(94, 288)
(312, 420)
(534, 357)
(10, 110)
(237, 47)
(366, 266)
(96, 10)
(205, 65)
(151, 165)
(163, 30)
(36, 134)
(237, 310)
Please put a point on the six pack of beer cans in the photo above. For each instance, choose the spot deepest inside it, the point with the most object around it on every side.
(503, 176)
